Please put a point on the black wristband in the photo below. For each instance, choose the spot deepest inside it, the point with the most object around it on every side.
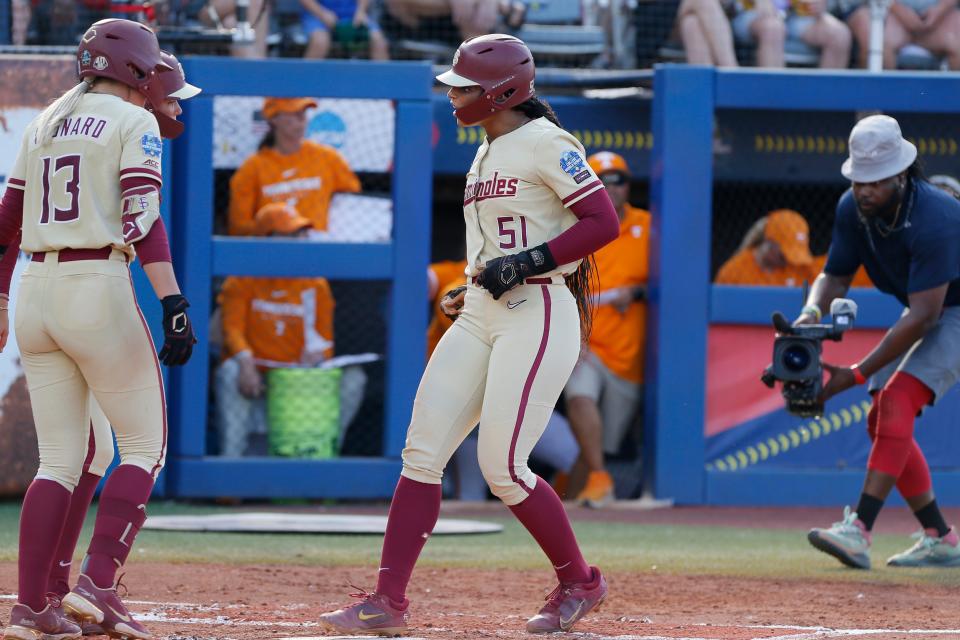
(542, 259)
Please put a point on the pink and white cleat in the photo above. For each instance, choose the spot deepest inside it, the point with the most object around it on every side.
(375, 614)
(568, 603)
(88, 603)
(49, 624)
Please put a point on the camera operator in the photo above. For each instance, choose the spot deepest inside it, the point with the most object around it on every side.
(906, 233)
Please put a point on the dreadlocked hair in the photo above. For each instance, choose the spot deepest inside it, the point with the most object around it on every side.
(535, 107)
(582, 283)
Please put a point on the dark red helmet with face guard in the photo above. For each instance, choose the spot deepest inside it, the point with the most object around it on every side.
(501, 65)
(175, 86)
(124, 51)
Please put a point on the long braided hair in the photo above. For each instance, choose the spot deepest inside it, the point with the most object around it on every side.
(583, 281)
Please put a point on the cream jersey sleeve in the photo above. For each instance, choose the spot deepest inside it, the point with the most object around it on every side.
(562, 166)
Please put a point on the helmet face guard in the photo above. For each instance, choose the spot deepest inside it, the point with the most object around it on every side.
(173, 84)
(501, 65)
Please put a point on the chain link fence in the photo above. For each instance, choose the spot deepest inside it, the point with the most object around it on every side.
(312, 385)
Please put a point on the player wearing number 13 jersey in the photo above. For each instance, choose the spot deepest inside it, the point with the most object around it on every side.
(534, 210)
(84, 196)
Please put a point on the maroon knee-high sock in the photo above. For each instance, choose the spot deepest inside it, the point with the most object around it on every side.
(59, 582)
(121, 513)
(413, 514)
(41, 523)
(543, 515)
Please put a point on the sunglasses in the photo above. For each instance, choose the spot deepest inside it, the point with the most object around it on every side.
(614, 179)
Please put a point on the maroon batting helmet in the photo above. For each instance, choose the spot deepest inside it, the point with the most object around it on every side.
(501, 65)
(175, 85)
(125, 51)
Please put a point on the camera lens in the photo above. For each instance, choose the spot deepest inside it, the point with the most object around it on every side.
(796, 358)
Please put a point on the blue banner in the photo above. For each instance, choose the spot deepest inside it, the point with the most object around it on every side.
(749, 145)
(836, 441)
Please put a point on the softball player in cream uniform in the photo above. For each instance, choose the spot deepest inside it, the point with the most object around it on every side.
(84, 195)
(533, 210)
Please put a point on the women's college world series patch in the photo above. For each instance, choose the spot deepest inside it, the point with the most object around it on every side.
(572, 163)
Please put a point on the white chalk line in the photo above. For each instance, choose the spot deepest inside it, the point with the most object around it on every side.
(804, 632)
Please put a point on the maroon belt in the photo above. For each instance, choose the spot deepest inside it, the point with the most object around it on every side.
(527, 281)
(72, 255)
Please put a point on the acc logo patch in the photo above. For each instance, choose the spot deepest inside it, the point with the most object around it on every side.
(151, 145)
(571, 163)
(100, 63)
(85, 59)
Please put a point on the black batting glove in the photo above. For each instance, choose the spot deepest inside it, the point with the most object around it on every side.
(504, 273)
(178, 338)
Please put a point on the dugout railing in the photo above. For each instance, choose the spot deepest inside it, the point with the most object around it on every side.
(683, 302)
(200, 256)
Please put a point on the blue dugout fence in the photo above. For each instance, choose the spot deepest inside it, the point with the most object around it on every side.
(199, 256)
(683, 303)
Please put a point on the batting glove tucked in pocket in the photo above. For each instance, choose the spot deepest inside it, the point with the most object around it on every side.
(178, 337)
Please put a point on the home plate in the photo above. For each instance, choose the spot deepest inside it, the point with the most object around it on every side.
(265, 522)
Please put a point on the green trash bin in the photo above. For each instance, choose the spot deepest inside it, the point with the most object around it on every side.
(303, 411)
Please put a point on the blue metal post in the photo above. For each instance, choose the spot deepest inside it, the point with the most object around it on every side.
(6, 15)
(192, 233)
(412, 184)
(680, 279)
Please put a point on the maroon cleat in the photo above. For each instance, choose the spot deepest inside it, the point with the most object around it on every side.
(89, 604)
(92, 629)
(375, 615)
(568, 603)
(49, 624)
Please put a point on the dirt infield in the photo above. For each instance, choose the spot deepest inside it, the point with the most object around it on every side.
(264, 602)
(274, 602)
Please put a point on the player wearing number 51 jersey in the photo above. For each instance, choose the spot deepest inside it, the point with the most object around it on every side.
(84, 195)
(534, 209)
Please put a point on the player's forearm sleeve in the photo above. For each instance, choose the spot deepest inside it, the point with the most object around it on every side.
(597, 225)
(11, 214)
(154, 247)
(8, 263)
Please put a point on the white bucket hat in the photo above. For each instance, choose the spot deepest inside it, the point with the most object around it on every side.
(877, 150)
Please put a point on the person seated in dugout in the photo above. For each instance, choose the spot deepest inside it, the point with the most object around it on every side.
(271, 323)
(288, 168)
(605, 391)
(775, 252)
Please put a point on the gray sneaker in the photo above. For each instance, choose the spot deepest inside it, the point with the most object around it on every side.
(930, 551)
(848, 540)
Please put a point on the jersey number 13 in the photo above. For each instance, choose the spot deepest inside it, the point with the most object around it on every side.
(69, 163)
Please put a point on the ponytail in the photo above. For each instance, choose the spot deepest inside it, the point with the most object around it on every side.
(535, 108)
(49, 121)
(582, 283)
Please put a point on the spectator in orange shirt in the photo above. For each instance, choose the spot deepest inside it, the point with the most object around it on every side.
(775, 252)
(270, 323)
(288, 169)
(860, 279)
(604, 392)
